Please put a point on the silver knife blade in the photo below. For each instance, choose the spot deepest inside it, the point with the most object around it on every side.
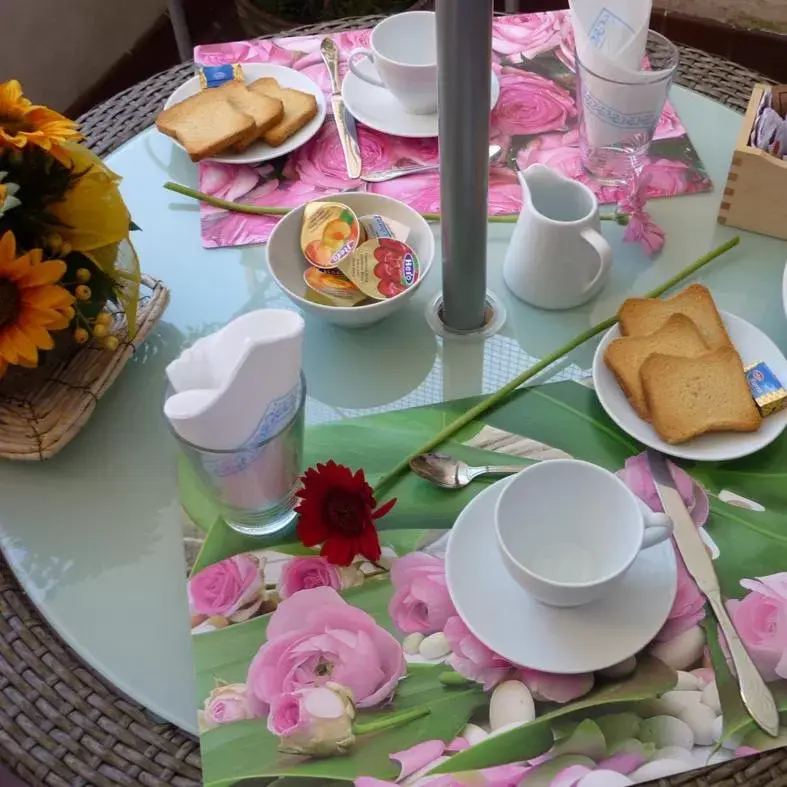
(345, 122)
(756, 695)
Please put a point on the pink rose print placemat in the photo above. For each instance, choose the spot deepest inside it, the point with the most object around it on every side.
(535, 120)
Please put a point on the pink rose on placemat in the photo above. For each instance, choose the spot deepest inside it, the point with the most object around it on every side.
(666, 177)
(527, 34)
(530, 104)
(420, 192)
(225, 704)
(304, 573)
(761, 620)
(223, 588)
(688, 609)
(472, 658)
(548, 687)
(320, 162)
(230, 181)
(421, 603)
(669, 125)
(260, 50)
(315, 636)
(315, 721)
(505, 191)
(565, 49)
(637, 477)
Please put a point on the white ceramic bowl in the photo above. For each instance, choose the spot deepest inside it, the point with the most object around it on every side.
(287, 263)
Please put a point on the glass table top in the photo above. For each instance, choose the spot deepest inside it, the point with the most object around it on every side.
(94, 535)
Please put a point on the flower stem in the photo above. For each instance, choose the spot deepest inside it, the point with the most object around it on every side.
(261, 210)
(486, 404)
(394, 720)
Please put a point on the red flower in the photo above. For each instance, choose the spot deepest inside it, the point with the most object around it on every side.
(337, 510)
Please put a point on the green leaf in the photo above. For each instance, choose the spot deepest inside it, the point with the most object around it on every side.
(618, 727)
(586, 739)
(651, 679)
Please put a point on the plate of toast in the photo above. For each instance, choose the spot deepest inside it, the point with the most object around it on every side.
(671, 375)
(273, 111)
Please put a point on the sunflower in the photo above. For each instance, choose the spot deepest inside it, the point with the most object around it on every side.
(31, 304)
(24, 123)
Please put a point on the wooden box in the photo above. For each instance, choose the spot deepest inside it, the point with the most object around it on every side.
(755, 195)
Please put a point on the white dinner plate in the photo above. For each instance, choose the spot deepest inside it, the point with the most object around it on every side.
(259, 151)
(377, 108)
(561, 640)
(752, 345)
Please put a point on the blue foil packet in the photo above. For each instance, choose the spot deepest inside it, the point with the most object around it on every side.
(768, 392)
(214, 76)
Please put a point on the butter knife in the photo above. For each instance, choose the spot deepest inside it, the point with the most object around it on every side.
(756, 695)
(345, 122)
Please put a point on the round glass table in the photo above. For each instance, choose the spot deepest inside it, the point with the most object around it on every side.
(94, 535)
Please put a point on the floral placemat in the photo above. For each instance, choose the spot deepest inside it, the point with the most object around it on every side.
(535, 120)
(283, 637)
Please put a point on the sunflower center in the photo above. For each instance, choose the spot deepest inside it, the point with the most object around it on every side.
(14, 125)
(10, 303)
(344, 512)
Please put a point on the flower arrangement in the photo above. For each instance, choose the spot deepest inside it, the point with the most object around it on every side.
(64, 237)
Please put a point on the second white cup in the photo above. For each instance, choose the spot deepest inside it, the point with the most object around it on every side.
(404, 55)
(569, 530)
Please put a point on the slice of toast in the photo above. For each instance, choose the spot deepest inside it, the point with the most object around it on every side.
(624, 357)
(205, 124)
(299, 109)
(689, 397)
(264, 110)
(641, 316)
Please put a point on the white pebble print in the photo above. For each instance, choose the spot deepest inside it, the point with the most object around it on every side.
(687, 682)
(435, 646)
(702, 721)
(511, 703)
(411, 643)
(473, 734)
(710, 697)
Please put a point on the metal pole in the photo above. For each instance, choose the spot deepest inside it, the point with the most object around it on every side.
(177, 16)
(464, 62)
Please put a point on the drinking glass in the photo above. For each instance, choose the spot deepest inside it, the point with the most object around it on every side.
(618, 117)
(254, 486)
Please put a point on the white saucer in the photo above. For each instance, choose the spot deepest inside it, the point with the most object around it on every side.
(752, 345)
(519, 628)
(259, 151)
(377, 108)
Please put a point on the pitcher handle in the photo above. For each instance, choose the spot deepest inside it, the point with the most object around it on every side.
(597, 241)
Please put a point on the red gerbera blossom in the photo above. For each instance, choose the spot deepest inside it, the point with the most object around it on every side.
(337, 510)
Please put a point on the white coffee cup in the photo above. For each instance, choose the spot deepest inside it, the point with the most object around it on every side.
(569, 530)
(404, 55)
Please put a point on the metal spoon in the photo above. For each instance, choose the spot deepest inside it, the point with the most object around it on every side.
(398, 172)
(449, 473)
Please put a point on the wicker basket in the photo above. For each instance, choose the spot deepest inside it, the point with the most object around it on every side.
(43, 409)
(256, 21)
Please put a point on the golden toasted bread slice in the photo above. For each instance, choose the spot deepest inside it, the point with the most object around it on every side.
(265, 111)
(299, 109)
(689, 397)
(624, 357)
(641, 316)
(205, 124)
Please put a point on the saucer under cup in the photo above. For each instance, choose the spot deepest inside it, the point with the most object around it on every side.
(752, 345)
(259, 150)
(569, 640)
(376, 108)
(568, 531)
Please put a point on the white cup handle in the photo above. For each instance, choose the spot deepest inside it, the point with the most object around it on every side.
(658, 528)
(597, 241)
(359, 53)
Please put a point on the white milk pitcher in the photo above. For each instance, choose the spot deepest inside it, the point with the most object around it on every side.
(557, 258)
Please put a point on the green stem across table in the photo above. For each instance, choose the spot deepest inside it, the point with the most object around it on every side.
(528, 374)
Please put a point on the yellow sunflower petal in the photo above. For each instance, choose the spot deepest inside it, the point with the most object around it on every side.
(13, 270)
(7, 247)
(58, 323)
(8, 351)
(43, 273)
(37, 334)
(23, 344)
(48, 296)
